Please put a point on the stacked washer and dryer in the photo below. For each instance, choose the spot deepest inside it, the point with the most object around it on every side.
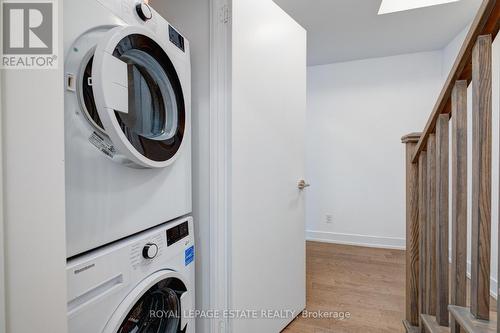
(130, 242)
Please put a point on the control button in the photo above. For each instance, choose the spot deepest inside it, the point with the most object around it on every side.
(150, 251)
(144, 11)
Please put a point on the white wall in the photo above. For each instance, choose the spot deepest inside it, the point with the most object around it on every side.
(192, 18)
(450, 52)
(33, 170)
(357, 113)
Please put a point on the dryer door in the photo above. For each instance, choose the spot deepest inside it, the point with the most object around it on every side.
(161, 303)
(138, 96)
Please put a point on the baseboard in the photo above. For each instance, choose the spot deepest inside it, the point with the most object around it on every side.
(493, 281)
(357, 240)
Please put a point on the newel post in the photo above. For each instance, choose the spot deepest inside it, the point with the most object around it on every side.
(412, 232)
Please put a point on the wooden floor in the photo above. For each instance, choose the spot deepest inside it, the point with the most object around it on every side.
(366, 282)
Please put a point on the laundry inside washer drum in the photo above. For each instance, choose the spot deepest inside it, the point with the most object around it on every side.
(157, 311)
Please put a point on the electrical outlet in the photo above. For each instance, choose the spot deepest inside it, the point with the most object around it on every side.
(329, 218)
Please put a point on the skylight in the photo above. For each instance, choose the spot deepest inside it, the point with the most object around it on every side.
(392, 6)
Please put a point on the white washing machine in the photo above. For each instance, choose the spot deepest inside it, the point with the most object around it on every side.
(127, 121)
(142, 284)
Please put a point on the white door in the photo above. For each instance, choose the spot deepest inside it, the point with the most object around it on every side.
(267, 155)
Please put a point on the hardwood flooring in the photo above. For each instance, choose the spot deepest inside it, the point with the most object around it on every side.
(366, 282)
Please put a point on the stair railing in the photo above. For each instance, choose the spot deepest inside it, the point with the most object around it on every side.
(436, 292)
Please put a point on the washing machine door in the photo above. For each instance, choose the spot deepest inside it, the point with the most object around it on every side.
(138, 96)
(160, 304)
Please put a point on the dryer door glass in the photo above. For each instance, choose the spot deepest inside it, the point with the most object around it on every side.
(154, 123)
(142, 104)
(157, 311)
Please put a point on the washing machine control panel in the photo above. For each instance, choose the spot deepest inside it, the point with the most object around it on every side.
(145, 252)
(150, 250)
(177, 233)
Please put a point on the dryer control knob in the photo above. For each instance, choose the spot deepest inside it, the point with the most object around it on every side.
(150, 251)
(144, 11)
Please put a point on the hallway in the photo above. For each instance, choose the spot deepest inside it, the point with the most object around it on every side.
(366, 282)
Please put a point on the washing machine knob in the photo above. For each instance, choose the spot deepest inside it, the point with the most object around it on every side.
(150, 251)
(144, 11)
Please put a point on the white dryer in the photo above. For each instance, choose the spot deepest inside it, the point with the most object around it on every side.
(142, 284)
(127, 121)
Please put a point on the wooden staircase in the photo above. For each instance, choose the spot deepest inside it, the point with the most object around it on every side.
(436, 293)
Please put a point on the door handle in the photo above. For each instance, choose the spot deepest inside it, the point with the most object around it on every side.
(302, 184)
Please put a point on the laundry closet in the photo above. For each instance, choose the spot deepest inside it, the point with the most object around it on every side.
(128, 167)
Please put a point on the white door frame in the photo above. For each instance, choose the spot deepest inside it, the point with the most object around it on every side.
(220, 173)
(2, 241)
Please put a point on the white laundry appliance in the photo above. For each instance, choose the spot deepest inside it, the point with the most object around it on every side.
(127, 121)
(141, 284)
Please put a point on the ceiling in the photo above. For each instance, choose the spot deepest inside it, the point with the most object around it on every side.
(343, 30)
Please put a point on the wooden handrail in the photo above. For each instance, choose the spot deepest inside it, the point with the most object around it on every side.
(486, 22)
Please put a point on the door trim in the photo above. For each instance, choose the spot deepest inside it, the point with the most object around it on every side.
(220, 173)
(2, 240)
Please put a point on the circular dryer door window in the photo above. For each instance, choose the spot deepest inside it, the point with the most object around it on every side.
(155, 306)
(138, 96)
